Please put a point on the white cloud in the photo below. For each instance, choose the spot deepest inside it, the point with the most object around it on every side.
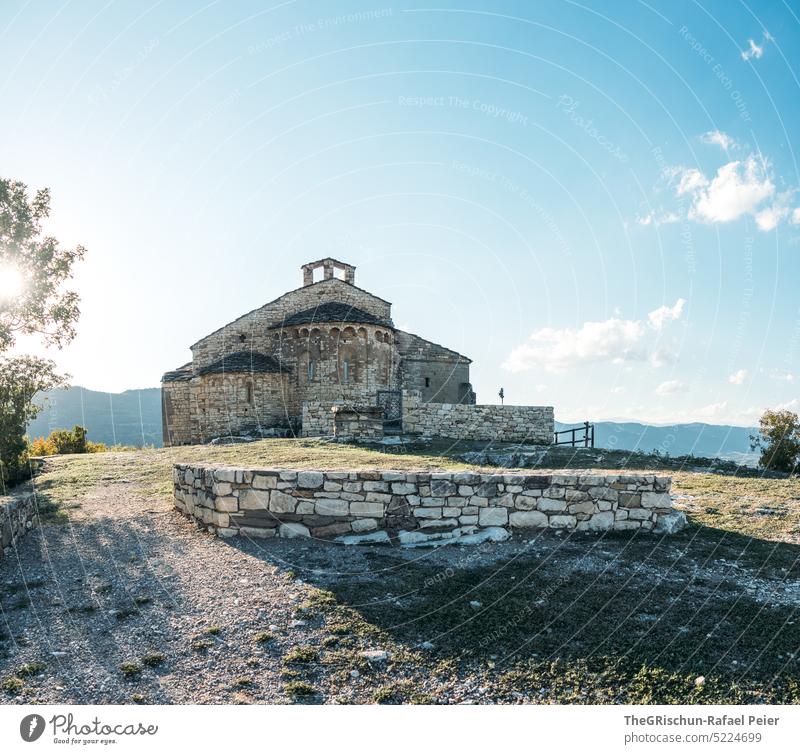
(753, 51)
(663, 314)
(671, 386)
(769, 218)
(781, 376)
(720, 139)
(658, 218)
(692, 180)
(614, 341)
(713, 410)
(738, 377)
(737, 189)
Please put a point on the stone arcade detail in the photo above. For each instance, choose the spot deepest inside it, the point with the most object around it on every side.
(284, 366)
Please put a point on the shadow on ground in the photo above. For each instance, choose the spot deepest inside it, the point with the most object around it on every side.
(706, 616)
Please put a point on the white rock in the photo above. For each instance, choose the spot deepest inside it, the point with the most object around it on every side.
(475, 605)
(373, 538)
(375, 655)
(493, 516)
(293, 530)
(672, 522)
(310, 480)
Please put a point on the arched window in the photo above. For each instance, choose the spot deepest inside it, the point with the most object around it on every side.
(311, 367)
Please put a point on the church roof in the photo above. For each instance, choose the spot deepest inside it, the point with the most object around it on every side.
(331, 312)
(244, 361)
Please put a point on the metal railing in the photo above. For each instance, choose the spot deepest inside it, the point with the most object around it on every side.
(586, 440)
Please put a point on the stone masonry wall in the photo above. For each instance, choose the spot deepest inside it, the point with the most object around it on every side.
(530, 424)
(415, 508)
(254, 326)
(17, 515)
(318, 418)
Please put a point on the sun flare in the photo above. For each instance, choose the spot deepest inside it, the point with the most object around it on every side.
(11, 282)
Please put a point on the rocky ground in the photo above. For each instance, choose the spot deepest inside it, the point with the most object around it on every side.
(118, 599)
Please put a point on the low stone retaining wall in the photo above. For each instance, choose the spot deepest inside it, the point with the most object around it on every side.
(17, 515)
(530, 424)
(413, 508)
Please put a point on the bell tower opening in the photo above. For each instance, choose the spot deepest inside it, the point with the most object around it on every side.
(331, 268)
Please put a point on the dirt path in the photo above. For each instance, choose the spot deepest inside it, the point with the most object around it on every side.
(128, 578)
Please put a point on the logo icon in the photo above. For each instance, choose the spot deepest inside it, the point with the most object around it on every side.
(31, 727)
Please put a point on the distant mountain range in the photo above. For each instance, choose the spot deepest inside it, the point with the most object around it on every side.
(129, 418)
(705, 440)
(134, 418)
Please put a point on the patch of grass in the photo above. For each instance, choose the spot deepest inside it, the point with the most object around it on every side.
(264, 637)
(200, 645)
(330, 641)
(12, 685)
(402, 692)
(298, 689)
(138, 699)
(123, 613)
(153, 660)
(30, 668)
(213, 631)
(243, 682)
(130, 670)
(300, 655)
(142, 599)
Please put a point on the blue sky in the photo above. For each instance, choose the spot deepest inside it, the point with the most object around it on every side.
(596, 202)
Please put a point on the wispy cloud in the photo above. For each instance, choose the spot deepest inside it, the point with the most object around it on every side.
(719, 139)
(658, 317)
(738, 377)
(613, 341)
(754, 50)
(672, 386)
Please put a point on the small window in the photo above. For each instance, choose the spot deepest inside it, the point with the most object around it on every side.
(250, 393)
(311, 366)
(427, 382)
(346, 371)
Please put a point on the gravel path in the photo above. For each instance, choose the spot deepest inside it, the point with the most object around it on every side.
(129, 578)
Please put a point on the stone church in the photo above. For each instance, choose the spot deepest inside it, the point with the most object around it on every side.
(324, 344)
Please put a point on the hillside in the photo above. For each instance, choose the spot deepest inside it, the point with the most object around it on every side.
(129, 418)
(134, 418)
(146, 608)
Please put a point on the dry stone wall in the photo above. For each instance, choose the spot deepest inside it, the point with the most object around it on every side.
(528, 424)
(416, 508)
(17, 517)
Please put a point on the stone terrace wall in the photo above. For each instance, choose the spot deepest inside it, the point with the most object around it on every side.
(530, 424)
(415, 507)
(17, 514)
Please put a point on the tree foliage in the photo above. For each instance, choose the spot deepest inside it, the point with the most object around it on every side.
(779, 440)
(42, 307)
(20, 379)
